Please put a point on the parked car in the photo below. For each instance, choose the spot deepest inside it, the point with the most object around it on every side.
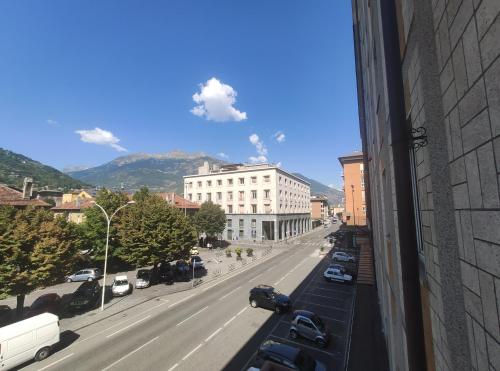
(121, 286)
(268, 297)
(5, 315)
(197, 262)
(308, 325)
(144, 278)
(194, 251)
(344, 270)
(287, 356)
(88, 274)
(166, 273)
(50, 303)
(31, 338)
(85, 296)
(343, 257)
(336, 276)
(181, 268)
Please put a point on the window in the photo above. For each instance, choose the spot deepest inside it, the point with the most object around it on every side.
(267, 194)
(267, 208)
(241, 223)
(241, 208)
(230, 196)
(229, 223)
(281, 193)
(281, 206)
(241, 196)
(254, 209)
(198, 196)
(254, 233)
(190, 196)
(229, 209)
(190, 185)
(230, 182)
(241, 181)
(209, 197)
(199, 184)
(242, 233)
(209, 183)
(254, 223)
(280, 179)
(267, 178)
(219, 196)
(219, 182)
(253, 180)
(254, 195)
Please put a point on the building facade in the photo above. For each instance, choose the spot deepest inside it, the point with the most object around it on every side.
(319, 207)
(428, 78)
(354, 189)
(262, 202)
(74, 211)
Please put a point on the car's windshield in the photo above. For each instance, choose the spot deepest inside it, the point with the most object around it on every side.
(304, 362)
(276, 292)
(121, 282)
(143, 274)
(318, 322)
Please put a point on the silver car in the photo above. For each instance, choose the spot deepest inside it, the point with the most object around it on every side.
(87, 274)
(308, 325)
(343, 257)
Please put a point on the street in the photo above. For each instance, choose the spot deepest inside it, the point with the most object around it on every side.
(212, 327)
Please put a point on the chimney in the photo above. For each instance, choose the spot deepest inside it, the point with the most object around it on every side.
(28, 188)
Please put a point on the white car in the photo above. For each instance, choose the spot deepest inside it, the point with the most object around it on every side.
(121, 286)
(332, 274)
(343, 257)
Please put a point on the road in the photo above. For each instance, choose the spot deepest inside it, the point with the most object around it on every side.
(213, 327)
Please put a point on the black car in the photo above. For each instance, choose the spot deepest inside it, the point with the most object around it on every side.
(166, 273)
(268, 297)
(86, 296)
(46, 303)
(182, 268)
(286, 355)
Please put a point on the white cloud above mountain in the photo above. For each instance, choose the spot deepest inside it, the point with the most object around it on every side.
(101, 137)
(215, 101)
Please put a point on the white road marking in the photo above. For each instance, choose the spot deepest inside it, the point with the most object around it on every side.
(173, 367)
(231, 320)
(321, 305)
(241, 311)
(213, 334)
(191, 352)
(129, 354)
(257, 276)
(126, 327)
(56, 362)
(229, 293)
(301, 344)
(182, 300)
(191, 316)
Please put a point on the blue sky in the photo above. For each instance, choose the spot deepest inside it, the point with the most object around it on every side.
(131, 68)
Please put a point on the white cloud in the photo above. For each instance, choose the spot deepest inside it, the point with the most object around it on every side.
(52, 122)
(222, 155)
(257, 159)
(279, 136)
(101, 137)
(215, 102)
(278, 164)
(259, 147)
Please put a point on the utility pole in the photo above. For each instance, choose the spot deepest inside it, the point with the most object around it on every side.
(353, 210)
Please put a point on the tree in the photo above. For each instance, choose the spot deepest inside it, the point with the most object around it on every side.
(210, 219)
(151, 231)
(95, 225)
(36, 250)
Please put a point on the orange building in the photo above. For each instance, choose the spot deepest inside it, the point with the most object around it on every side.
(354, 189)
(319, 207)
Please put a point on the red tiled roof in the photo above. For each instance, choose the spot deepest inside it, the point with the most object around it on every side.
(178, 201)
(13, 197)
(76, 205)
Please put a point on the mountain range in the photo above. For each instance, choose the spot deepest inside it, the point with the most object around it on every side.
(14, 167)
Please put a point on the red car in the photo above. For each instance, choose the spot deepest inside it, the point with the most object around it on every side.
(46, 303)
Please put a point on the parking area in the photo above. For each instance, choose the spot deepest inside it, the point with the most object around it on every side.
(334, 303)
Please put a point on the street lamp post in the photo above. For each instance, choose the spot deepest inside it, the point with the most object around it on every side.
(108, 219)
(353, 210)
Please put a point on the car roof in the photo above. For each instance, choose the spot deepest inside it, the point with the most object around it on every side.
(284, 350)
(143, 270)
(121, 278)
(263, 287)
(304, 313)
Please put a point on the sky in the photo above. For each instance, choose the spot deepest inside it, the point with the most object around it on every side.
(83, 82)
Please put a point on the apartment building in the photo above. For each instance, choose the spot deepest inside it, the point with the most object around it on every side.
(319, 207)
(262, 202)
(354, 189)
(428, 78)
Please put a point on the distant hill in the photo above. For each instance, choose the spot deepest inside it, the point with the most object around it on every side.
(335, 196)
(158, 172)
(15, 167)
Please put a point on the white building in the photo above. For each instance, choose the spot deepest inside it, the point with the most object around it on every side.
(262, 202)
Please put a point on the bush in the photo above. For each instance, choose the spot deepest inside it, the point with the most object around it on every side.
(238, 252)
(228, 252)
(249, 251)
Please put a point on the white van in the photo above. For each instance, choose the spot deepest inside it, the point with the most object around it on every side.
(24, 340)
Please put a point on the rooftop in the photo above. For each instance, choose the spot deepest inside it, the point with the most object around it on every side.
(354, 156)
(178, 201)
(76, 205)
(12, 197)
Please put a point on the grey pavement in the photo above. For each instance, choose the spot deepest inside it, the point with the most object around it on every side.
(212, 326)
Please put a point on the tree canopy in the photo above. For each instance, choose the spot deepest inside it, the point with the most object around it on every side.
(210, 219)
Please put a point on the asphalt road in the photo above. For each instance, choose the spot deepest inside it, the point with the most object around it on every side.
(213, 327)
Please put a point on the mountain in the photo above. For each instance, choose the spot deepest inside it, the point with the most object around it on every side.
(158, 172)
(15, 167)
(335, 196)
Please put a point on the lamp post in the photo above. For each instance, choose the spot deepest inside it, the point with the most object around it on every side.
(353, 210)
(108, 219)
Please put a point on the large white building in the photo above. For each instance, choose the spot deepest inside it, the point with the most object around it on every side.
(262, 202)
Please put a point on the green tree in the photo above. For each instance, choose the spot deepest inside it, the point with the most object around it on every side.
(95, 225)
(36, 250)
(151, 231)
(210, 219)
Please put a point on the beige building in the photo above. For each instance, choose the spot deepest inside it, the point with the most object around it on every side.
(354, 189)
(428, 76)
(74, 211)
(75, 195)
(262, 202)
(319, 207)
